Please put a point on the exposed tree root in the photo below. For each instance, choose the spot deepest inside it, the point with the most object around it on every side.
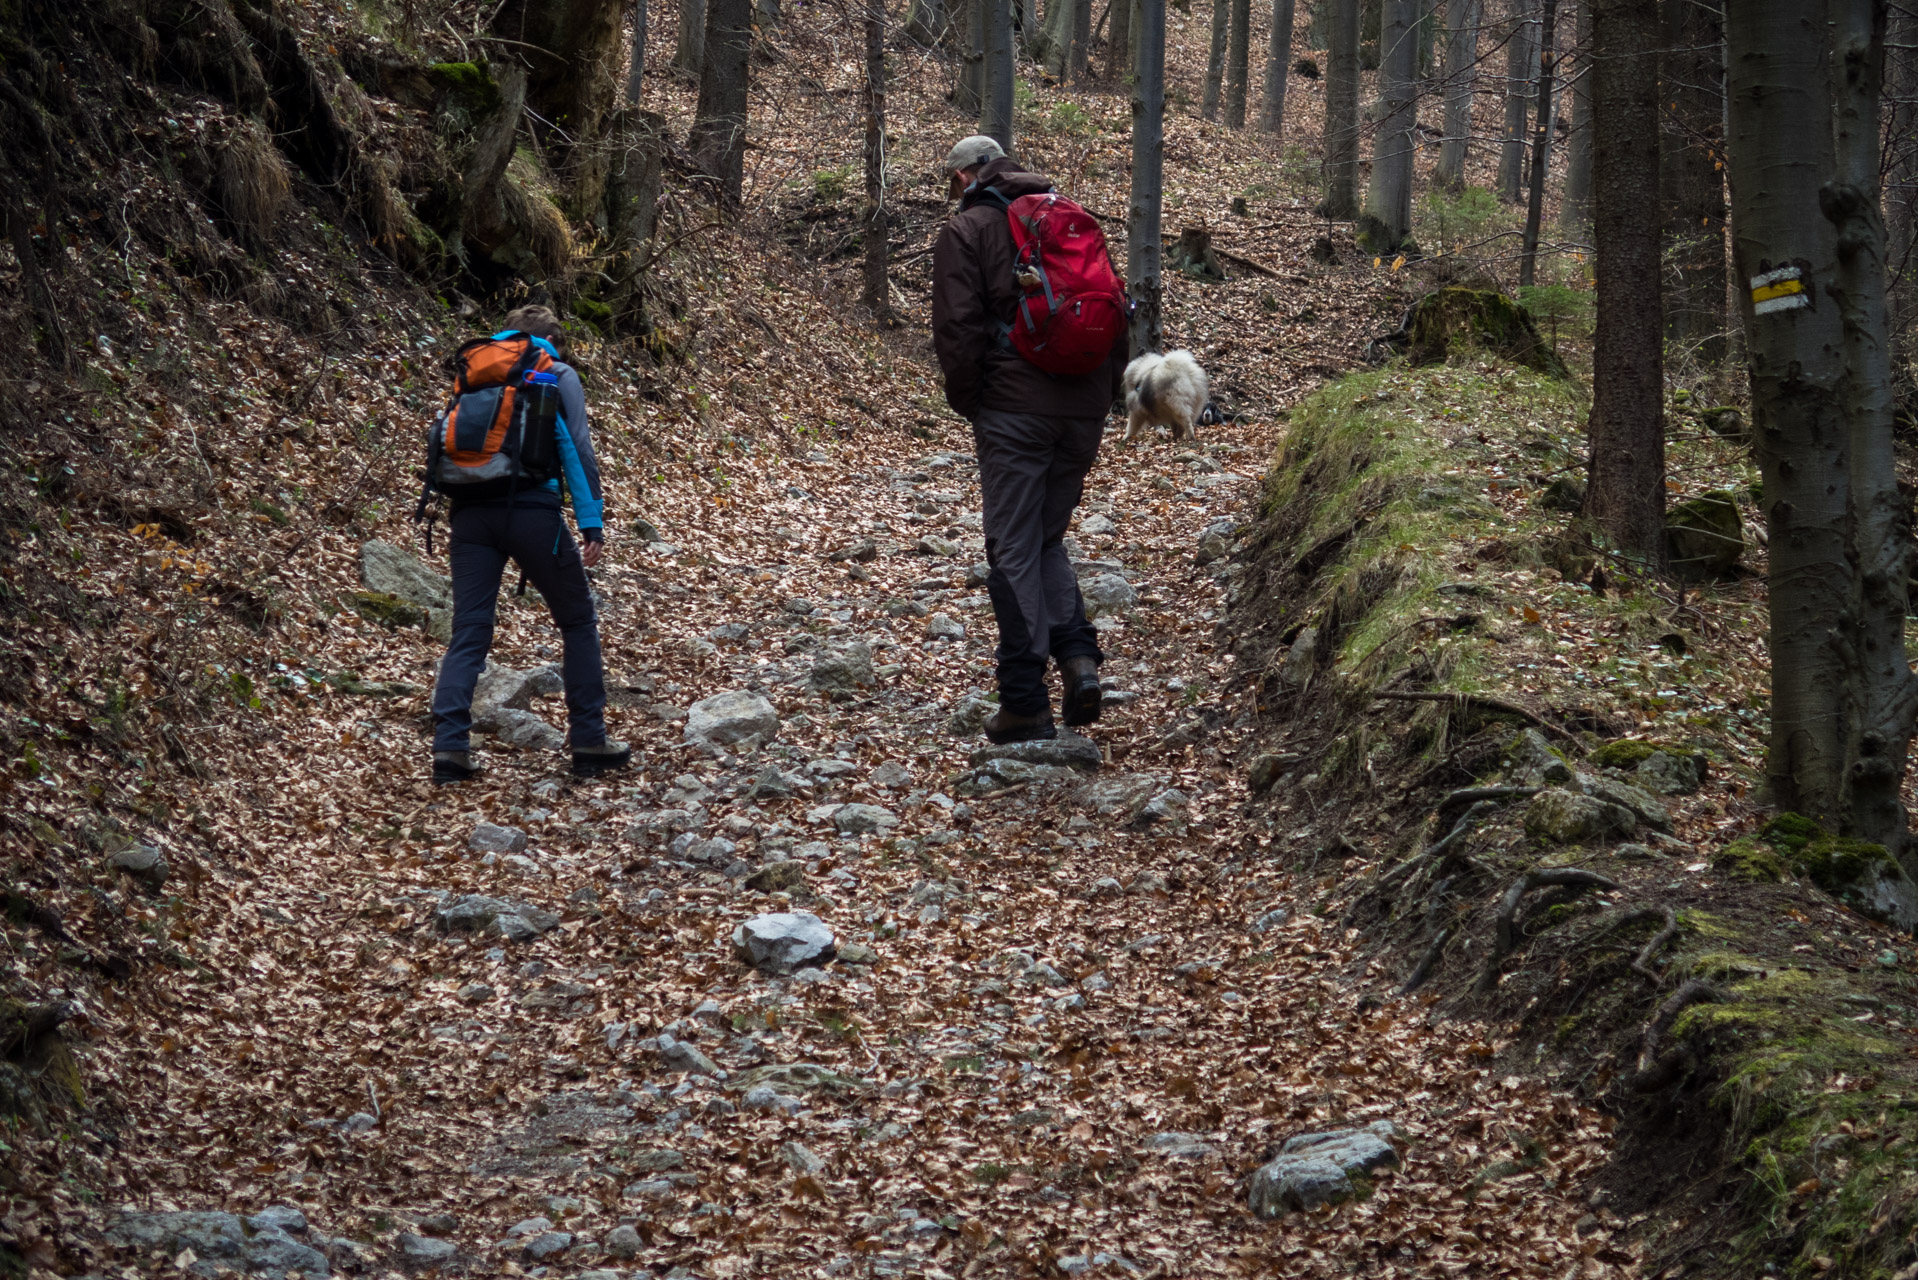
(1642, 963)
(1473, 702)
(1472, 795)
(1506, 937)
(1655, 1072)
(1470, 819)
(1427, 962)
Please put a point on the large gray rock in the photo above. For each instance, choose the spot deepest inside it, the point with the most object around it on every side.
(524, 730)
(1646, 809)
(489, 837)
(997, 775)
(394, 571)
(1120, 795)
(144, 862)
(969, 714)
(784, 940)
(274, 1252)
(677, 1055)
(1664, 773)
(1704, 537)
(505, 687)
(1558, 816)
(1314, 1169)
(726, 718)
(1532, 761)
(1068, 750)
(424, 1251)
(1106, 593)
(863, 819)
(844, 670)
(477, 913)
(625, 1242)
(220, 1242)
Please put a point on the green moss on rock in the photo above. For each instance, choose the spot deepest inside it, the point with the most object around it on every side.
(469, 92)
(594, 313)
(1623, 753)
(1750, 860)
(1836, 864)
(387, 609)
(1704, 536)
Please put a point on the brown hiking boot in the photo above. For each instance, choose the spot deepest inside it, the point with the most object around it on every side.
(1080, 702)
(601, 757)
(1006, 727)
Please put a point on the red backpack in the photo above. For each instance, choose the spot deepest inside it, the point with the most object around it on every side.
(1072, 307)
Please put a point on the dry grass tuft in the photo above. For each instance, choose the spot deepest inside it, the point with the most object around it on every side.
(251, 182)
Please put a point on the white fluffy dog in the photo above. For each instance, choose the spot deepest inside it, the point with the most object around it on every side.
(1170, 390)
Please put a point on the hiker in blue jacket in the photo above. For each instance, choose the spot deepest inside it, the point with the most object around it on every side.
(525, 525)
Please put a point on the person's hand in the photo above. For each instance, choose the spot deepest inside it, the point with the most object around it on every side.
(590, 553)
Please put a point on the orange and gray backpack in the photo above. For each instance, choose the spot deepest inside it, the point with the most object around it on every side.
(498, 432)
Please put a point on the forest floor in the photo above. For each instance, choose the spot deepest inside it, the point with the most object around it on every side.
(1070, 1016)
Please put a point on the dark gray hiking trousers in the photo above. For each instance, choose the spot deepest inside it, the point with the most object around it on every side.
(484, 538)
(1032, 471)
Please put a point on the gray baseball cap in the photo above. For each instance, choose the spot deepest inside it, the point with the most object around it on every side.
(973, 151)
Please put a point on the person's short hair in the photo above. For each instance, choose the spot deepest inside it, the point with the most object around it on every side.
(541, 323)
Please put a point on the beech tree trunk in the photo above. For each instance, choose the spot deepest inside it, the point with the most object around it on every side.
(1342, 110)
(995, 114)
(689, 57)
(1901, 202)
(1053, 49)
(1461, 76)
(1541, 146)
(1144, 249)
(1521, 63)
(1215, 61)
(1880, 524)
(1575, 202)
(1692, 178)
(928, 21)
(1388, 201)
(969, 94)
(1238, 64)
(1081, 40)
(636, 69)
(1782, 154)
(1278, 65)
(1626, 493)
(718, 139)
(877, 294)
(1119, 46)
(571, 51)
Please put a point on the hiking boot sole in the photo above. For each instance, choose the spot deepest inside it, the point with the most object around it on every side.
(1024, 733)
(1082, 703)
(593, 766)
(446, 774)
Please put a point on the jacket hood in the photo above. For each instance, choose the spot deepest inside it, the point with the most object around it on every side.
(1006, 177)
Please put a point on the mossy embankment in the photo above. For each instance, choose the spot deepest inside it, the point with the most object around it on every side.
(1539, 773)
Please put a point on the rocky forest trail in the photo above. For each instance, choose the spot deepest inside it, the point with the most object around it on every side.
(503, 1025)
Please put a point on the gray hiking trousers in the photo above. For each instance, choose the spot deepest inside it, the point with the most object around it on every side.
(1032, 471)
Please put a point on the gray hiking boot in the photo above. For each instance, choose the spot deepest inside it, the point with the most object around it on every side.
(1079, 704)
(1006, 727)
(453, 766)
(601, 757)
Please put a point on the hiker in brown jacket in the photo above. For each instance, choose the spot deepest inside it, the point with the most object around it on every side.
(1037, 435)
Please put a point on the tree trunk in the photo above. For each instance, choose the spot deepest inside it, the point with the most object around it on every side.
(1901, 201)
(689, 57)
(636, 69)
(1143, 243)
(1541, 145)
(995, 113)
(1081, 40)
(1781, 154)
(1342, 110)
(1278, 65)
(928, 22)
(878, 294)
(1388, 202)
(1238, 64)
(1521, 62)
(571, 50)
(1691, 176)
(969, 94)
(1053, 47)
(1119, 47)
(1626, 496)
(1461, 76)
(1575, 202)
(1880, 526)
(718, 139)
(1215, 61)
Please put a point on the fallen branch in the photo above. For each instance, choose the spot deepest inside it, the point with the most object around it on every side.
(1654, 1072)
(1427, 962)
(1505, 938)
(1470, 701)
(1468, 820)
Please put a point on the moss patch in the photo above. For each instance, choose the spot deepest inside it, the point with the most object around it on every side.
(1456, 320)
(1750, 860)
(387, 609)
(469, 92)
